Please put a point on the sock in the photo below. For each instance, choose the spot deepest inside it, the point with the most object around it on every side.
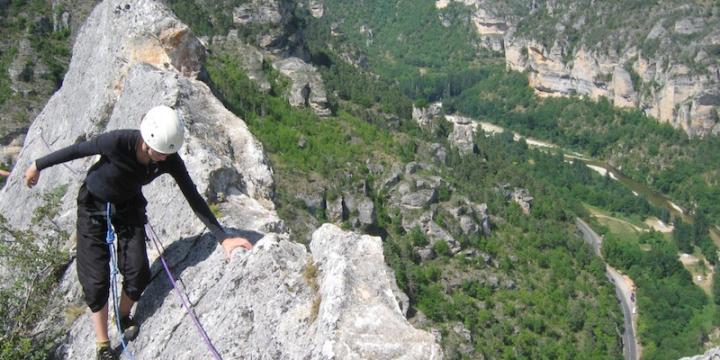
(102, 344)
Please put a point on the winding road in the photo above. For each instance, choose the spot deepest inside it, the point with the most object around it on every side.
(630, 348)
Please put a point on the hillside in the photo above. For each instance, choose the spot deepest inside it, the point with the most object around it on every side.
(34, 54)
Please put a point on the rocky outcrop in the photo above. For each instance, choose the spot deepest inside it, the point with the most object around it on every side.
(711, 354)
(336, 210)
(268, 15)
(317, 8)
(463, 133)
(472, 218)
(276, 301)
(489, 25)
(424, 116)
(306, 88)
(665, 86)
(521, 197)
(354, 287)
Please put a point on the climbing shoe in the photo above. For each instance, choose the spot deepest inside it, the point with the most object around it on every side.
(129, 327)
(104, 352)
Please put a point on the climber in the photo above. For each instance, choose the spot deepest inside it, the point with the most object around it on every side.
(129, 159)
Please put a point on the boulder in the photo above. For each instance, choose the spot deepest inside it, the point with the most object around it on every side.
(354, 298)
(463, 133)
(425, 116)
(336, 211)
(439, 154)
(306, 85)
(317, 8)
(420, 198)
(366, 212)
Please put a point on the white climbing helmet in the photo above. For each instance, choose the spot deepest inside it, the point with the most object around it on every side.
(163, 130)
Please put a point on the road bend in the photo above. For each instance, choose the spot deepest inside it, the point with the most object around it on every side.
(622, 291)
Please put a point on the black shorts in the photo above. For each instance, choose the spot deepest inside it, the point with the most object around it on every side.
(93, 254)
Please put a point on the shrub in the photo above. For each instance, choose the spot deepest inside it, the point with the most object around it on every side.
(441, 248)
(36, 268)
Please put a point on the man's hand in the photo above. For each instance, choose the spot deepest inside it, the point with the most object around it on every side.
(32, 175)
(231, 244)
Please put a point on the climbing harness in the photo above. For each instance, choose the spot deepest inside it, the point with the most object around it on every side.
(181, 294)
(110, 239)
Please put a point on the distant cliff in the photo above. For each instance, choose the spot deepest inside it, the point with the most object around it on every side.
(661, 57)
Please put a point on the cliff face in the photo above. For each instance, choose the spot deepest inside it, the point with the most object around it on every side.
(277, 301)
(672, 93)
(661, 58)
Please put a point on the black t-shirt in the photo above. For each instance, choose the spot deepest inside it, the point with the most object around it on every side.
(118, 176)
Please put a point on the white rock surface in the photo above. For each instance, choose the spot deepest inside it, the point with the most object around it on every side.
(306, 88)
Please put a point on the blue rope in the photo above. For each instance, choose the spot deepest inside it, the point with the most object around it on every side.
(113, 280)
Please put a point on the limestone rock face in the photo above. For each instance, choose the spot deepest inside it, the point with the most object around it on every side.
(489, 26)
(317, 8)
(263, 304)
(622, 88)
(463, 133)
(306, 87)
(670, 92)
(424, 116)
(668, 77)
(336, 211)
(355, 298)
(269, 16)
(123, 64)
(257, 12)
(708, 355)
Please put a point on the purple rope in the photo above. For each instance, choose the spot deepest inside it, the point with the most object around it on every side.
(186, 303)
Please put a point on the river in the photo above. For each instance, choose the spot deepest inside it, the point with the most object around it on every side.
(650, 195)
(638, 188)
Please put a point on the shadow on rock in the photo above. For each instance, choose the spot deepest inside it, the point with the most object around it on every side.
(179, 256)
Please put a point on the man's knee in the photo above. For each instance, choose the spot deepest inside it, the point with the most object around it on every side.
(135, 286)
(96, 297)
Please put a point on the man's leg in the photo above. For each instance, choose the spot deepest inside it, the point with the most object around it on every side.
(99, 321)
(126, 304)
(93, 257)
(134, 265)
